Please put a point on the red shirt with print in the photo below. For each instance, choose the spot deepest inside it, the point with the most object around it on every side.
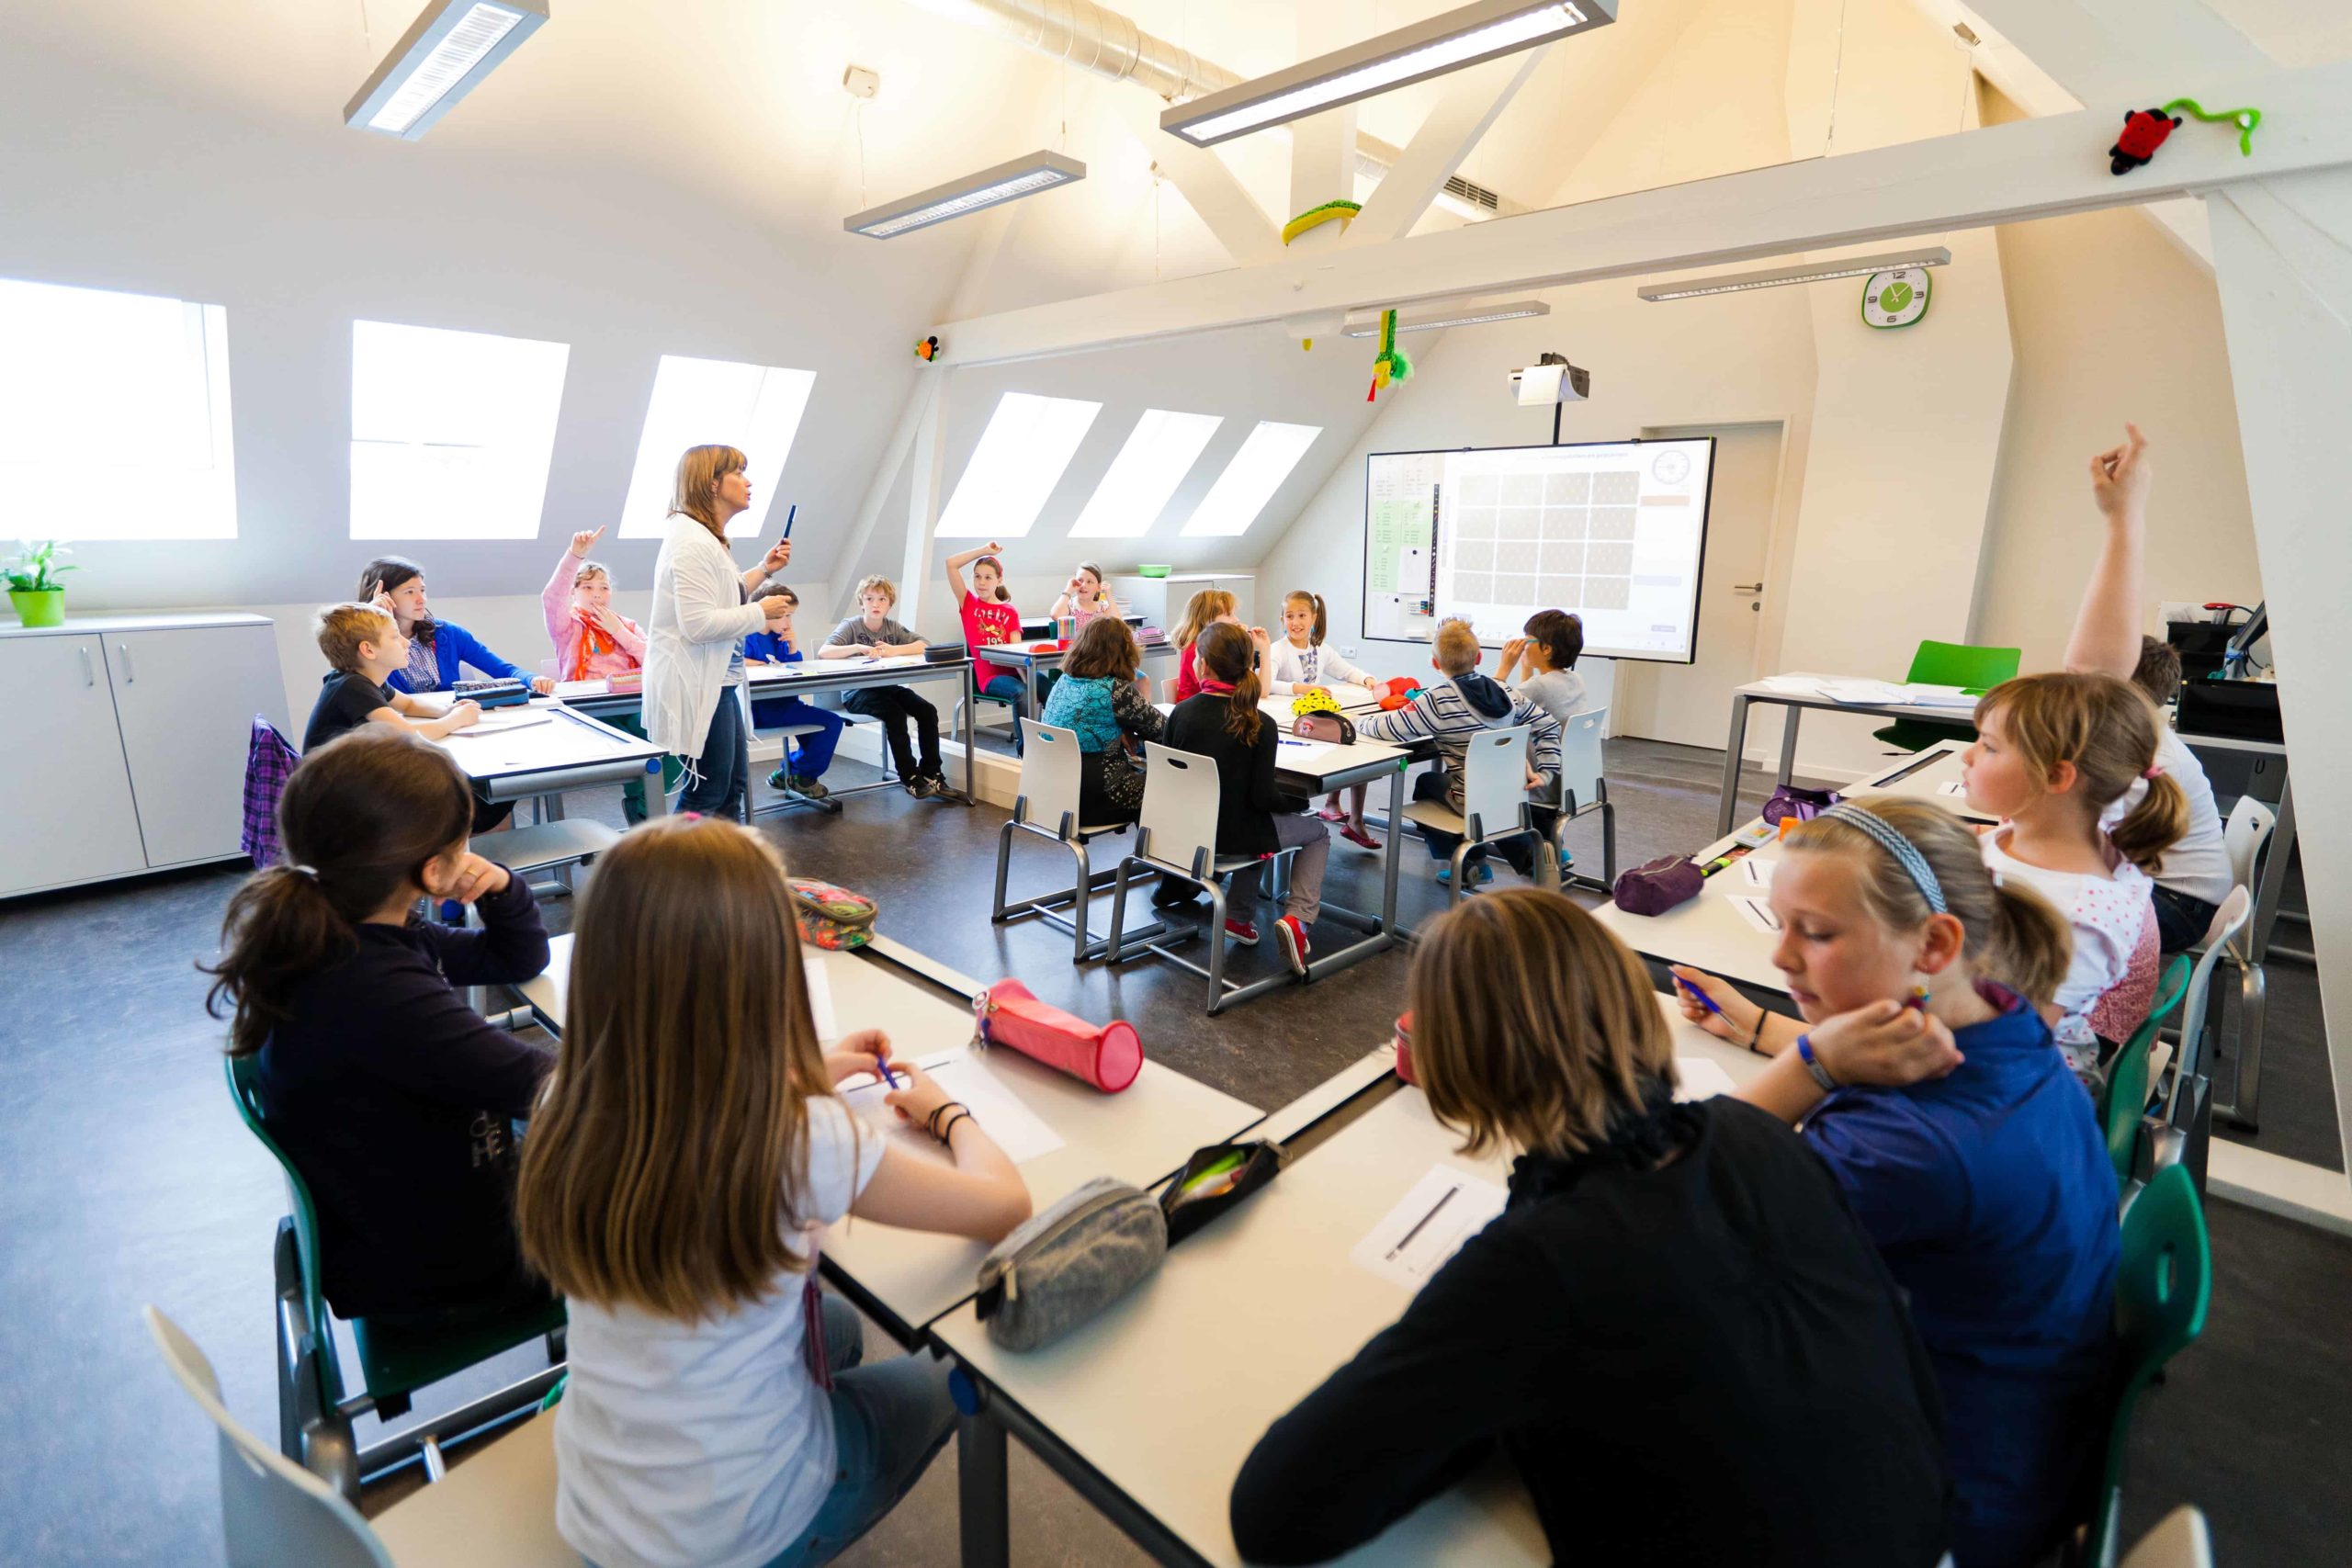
(988, 623)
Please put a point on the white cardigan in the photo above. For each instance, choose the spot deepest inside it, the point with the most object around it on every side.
(698, 615)
(1286, 667)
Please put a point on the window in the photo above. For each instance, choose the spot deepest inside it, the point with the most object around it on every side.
(1158, 454)
(113, 415)
(755, 409)
(451, 432)
(1021, 457)
(1251, 480)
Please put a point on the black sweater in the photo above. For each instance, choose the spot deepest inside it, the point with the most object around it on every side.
(1246, 798)
(1701, 1363)
(392, 1098)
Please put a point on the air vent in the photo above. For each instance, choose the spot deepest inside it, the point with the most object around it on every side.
(1475, 195)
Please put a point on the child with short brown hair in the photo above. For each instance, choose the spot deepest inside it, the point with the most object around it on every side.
(872, 633)
(365, 645)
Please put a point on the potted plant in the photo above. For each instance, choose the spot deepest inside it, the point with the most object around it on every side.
(33, 588)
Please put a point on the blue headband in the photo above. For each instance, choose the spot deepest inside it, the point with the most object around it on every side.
(1906, 853)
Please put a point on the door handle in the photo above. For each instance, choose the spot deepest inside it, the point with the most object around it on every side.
(124, 649)
(1747, 588)
(89, 671)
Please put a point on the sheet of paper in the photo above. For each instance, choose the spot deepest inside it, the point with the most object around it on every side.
(1873, 693)
(820, 998)
(494, 721)
(1020, 1131)
(1415, 1239)
(1938, 696)
(1792, 685)
(905, 663)
(1291, 752)
(1955, 787)
(1753, 874)
(1756, 912)
(1701, 1079)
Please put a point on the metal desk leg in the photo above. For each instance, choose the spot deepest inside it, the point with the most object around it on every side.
(657, 799)
(1395, 857)
(1731, 750)
(1787, 745)
(971, 701)
(983, 1510)
(2274, 872)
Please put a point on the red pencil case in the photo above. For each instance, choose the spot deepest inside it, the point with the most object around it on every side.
(1107, 1055)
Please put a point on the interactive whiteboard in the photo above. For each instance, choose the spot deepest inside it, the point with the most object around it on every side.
(1614, 532)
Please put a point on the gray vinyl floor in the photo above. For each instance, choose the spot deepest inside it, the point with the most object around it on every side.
(128, 1180)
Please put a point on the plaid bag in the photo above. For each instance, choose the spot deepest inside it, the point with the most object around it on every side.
(269, 762)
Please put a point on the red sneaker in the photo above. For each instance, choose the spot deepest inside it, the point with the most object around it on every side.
(1358, 838)
(1242, 933)
(1293, 937)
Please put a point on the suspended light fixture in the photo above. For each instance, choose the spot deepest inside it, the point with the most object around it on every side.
(452, 45)
(1813, 272)
(1448, 41)
(1428, 318)
(1025, 176)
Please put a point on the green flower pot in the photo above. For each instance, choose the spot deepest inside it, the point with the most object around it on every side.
(39, 607)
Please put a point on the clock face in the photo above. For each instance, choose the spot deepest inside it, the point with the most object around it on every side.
(1895, 298)
(1670, 468)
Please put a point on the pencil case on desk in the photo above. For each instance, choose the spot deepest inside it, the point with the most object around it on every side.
(1107, 1055)
(1067, 1264)
(1215, 1179)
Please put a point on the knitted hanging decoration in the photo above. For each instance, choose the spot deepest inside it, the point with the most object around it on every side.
(2144, 131)
(1390, 366)
(1343, 213)
(2244, 119)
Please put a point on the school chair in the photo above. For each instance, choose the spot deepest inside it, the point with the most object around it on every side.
(1177, 836)
(1584, 790)
(2125, 1098)
(1494, 806)
(2181, 1134)
(2178, 1540)
(1961, 664)
(2244, 837)
(315, 1415)
(1168, 689)
(1046, 808)
(784, 735)
(496, 1509)
(2162, 1293)
(269, 762)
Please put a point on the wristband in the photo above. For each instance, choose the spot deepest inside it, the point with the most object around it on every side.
(961, 1116)
(1757, 1038)
(931, 1122)
(1812, 1063)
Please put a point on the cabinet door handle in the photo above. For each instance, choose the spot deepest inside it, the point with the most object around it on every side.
(89, 671)
(124, 649)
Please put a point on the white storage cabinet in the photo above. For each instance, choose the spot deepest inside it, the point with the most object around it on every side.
(1161, 601)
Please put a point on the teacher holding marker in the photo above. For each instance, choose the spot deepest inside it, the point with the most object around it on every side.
(694, 652)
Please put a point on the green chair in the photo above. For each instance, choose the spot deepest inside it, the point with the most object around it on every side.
(314, 1412)
(2125, 1099)
(2161, 1295)
(1959, 664)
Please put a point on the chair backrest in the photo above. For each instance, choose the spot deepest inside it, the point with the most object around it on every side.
(1180, 805)
(2244, 835)
(2125, 1098)
(2228, 920)
(269, 762)
(1961, 664)
(242, 1095)
(1167, 690)
(1050, 769)
(2179, 1540)
(271, 1510)
(1581, 765)
(1494, 780)
(2162, 1293)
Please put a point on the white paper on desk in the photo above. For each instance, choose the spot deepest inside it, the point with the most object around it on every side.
(1756, 912)
(1931, 696)
(1792, 685)
(494, 722)
(1428, 1226)
(1701, 1079)
(1753, 872)
(1871, 692)
(1956, 787)
(820, 998)
(1298, 753)
(898, 663)
(1020, 1131)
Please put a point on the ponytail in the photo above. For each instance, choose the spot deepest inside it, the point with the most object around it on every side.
(359, 819)
(2106, 729)
(1226, 652)
(2154, 826)
(2031, 944)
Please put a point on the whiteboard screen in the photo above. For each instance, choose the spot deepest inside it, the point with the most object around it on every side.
(1614, 532)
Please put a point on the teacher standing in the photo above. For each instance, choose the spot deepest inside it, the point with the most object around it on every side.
(694, 652)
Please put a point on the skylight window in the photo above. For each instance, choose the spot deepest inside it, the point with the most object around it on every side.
(451, 432)
(1028, 442)
(1251, 480)
(755, 409)
(1160, 452)
(113, 415)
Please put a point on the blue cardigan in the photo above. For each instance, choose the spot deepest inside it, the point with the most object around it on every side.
(1992, 1198)
(452, 647)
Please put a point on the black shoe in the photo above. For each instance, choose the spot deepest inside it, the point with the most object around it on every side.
(1172, 893)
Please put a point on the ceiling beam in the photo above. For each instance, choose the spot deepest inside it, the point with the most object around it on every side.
(1465, 112)
(2009, 173)
(1204, 180)
(2145, 51)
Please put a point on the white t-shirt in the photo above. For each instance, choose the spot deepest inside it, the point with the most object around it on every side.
(1559, 692)
(2200, 865)
(2112, 920)
(685, 1445)
(1320, 665)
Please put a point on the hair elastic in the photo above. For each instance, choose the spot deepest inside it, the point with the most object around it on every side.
(1906, 853)
(310, 871)
(2153, 769)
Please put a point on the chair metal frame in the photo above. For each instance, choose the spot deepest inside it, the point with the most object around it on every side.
(2181, 1133)
(1172, 781)
(1050, 795)
(1493, 789)
(1596, 721)
(2246, 835)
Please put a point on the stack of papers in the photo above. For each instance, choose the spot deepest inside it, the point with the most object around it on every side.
(1868, 693)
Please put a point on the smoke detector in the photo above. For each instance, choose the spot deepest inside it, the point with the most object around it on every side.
(860, 83)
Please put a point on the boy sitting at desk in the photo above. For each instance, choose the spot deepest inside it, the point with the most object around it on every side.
(808, 755)
(873, 634)
(1450, 713)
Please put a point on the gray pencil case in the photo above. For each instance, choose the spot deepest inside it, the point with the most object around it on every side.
(1069, 1263)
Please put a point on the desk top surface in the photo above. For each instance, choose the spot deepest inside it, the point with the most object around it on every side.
(539, 737)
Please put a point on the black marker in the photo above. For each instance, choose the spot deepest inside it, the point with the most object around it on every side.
(789, 514)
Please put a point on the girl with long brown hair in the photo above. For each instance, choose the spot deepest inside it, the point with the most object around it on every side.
(1099, 698)
(687, 1155)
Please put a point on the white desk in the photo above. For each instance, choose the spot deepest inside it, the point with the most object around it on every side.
(1028, 658)
(1709, 931)
(1797, 702)
(1932, 774)
(1150, 1410)
(547, 748)
(905, 1279)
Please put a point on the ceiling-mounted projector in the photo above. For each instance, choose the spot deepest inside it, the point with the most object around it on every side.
(1551, 379)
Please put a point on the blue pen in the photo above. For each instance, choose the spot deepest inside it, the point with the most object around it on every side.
(884, 1069)
(789, 514)
(1696, 994)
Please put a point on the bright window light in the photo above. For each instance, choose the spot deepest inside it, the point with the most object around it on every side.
(700, 402)
(1021, 454)
(1251, 480)
(451, 433)
(114, 416)
(1158, 454)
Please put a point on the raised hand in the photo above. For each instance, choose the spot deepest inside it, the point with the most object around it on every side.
(2121, 476)
(779, 556)
(585, 540)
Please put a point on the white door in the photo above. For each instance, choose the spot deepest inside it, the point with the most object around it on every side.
(1690, 704)
(187, 697)
(64, 793)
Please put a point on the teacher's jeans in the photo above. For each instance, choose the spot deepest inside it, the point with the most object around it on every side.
(721, 779)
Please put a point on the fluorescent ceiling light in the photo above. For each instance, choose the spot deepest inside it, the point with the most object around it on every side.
(1813, 272)
(1428, 318)
(1448, 41)
(1029, 440)
(1023, 176)
(452, 45)
(1251, 480)
(1159, 453)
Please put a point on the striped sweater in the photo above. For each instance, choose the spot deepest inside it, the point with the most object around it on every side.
(1452, 711)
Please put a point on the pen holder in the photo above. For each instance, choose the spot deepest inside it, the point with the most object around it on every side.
(1107, 1055)
(1404, 1044)
(1215, 1179)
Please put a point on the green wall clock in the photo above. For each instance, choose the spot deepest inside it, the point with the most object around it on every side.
(1896, 297)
